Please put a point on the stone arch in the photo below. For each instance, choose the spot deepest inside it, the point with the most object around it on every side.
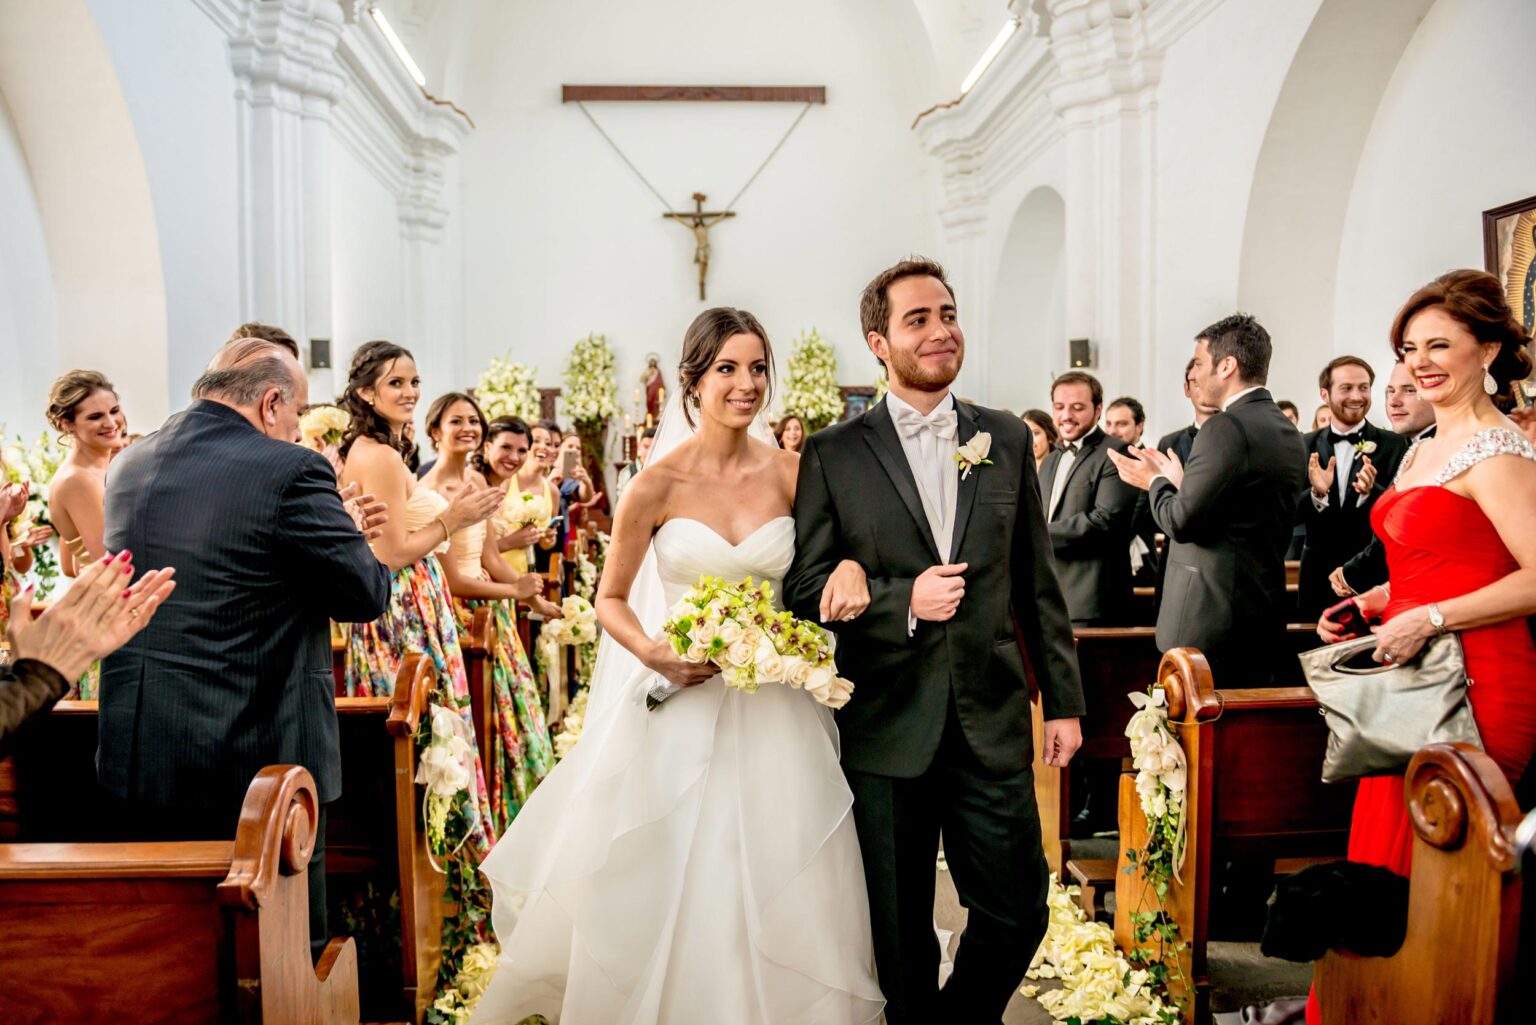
(1306, 171)
(1027, 319)
(93, 203)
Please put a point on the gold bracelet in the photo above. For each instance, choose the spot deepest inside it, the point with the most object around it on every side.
(447, 534)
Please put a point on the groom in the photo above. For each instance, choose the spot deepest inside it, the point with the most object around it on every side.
(936, 738)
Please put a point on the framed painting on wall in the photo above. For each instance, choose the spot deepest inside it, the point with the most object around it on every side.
(1509, 253)
(856, 400)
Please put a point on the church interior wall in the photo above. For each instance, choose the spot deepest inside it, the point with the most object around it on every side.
(28, 320)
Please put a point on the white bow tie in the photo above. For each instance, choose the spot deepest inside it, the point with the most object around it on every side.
(941, 422)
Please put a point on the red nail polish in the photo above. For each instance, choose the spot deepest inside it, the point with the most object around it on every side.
(127, 594)
(125, 555)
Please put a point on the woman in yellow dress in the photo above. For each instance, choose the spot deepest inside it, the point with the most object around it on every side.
(505, 461)
(83, 407)
(522, 754)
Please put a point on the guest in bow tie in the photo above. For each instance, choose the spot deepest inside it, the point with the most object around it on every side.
(1088, 508)
(1412, 418)
(1349, 464)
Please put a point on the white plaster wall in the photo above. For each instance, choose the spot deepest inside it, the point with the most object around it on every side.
(1451, 138)
(28, 328)
(173, 64)
(1026, 336)
(559, 237)
(1219, 85)
(366, 271)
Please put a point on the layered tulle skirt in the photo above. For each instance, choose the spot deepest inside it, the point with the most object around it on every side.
(692, 865)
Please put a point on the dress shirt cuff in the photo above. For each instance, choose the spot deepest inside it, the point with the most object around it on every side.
(911, 623)
(1320, 504)
(1155, 478)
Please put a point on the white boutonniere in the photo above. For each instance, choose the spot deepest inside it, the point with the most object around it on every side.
(974, 453)
(1365, 448)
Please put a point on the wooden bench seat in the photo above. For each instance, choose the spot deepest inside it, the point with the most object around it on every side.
(191, 932)
(1457, 962)
(1253, 792)
(374, 831)
(1114, 662)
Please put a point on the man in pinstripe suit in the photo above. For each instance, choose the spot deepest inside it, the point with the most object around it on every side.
(235, 671)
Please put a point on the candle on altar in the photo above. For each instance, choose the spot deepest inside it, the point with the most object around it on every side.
(661, 398)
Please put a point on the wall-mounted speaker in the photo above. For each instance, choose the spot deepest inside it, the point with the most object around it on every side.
(319, 354)
(1079, 353)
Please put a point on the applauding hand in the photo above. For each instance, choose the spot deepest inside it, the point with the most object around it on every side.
(1365, 478)
(367, 512)
(1320, 476)
(94, 618)
(472, 505)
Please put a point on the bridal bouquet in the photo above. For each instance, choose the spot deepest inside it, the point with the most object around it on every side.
(737, 628)
(524, 509)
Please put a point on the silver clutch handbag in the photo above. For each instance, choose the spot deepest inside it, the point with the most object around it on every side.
(1379, 716)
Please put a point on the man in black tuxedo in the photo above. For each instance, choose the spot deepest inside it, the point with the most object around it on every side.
(1227, 514)
(1088, 509)
(1179, 443)
(1411, 418)
(235, 671)
(937, 735)
(1344, 462)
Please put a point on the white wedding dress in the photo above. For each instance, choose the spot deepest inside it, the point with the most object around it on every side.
(692, 865)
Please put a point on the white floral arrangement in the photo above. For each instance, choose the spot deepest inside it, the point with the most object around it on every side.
(571, 724)
(586, 575)
(590, 395)
(35, 467)
(882, 385)
(810, 382)
(523, 510)
(1098, 983)
(1162, 773)
(446, 765)
(577, 624)
(505, 388)
(324, 424)
(737, 628)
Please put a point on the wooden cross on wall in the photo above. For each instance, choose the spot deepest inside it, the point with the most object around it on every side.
(698, 220)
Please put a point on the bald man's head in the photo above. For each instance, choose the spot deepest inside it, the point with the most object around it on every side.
(262, 380)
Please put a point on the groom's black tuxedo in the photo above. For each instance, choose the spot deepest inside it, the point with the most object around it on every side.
(937, 734)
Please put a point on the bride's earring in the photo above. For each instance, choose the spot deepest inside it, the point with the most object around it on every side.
(1489, 384)
(693, 397)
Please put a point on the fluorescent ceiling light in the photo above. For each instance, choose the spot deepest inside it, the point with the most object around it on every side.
(993, 49)
(396, 45)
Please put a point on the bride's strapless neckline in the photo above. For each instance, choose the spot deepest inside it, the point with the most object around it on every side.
(734, 544)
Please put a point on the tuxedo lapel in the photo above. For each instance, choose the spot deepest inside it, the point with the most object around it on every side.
(1085, 448)
(880, 434)
(965, 498)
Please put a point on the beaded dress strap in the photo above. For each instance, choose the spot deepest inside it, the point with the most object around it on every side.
(1495, 441)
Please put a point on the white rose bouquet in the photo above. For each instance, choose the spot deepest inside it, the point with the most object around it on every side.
(737, 628)
(324, 425)
(524, 510)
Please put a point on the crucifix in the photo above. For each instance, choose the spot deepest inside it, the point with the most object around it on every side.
(698, 219)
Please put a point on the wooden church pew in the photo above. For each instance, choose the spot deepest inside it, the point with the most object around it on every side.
(1114, 662)
(373, 832)
(1457, 962)
(1254, 791)
(187, 932)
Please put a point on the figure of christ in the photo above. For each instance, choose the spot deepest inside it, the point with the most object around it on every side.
(700, 220)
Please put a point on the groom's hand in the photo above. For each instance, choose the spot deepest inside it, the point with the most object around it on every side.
(1062, 739)
(937, 591)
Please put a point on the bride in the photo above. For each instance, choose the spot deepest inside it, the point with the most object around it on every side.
(695, 864)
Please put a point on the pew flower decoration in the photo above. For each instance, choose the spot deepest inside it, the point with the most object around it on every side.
(35, 466)
(446, 766)
(586, 576)
(505, 388)
(1162, 777)
(324, 425)
(1098, 984)
(571, 725)
(810, 384)
(737, 628)
(974, 453)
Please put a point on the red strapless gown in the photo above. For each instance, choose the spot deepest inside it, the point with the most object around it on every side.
(1441, 546)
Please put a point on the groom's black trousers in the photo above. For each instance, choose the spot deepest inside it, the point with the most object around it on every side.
(991, 830)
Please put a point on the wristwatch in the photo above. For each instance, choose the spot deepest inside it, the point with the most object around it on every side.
(1436, 618)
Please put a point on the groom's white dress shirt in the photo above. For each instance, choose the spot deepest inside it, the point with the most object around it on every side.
(930, 441)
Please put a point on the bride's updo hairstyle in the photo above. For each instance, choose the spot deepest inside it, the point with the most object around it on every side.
(1476, 300)
(369, 363)
(702, 343)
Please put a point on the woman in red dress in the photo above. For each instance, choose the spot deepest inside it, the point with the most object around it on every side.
(1456, 526)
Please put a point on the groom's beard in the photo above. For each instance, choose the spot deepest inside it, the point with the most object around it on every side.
(909, 370)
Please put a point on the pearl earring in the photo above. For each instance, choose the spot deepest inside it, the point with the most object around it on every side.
(1489, 384)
